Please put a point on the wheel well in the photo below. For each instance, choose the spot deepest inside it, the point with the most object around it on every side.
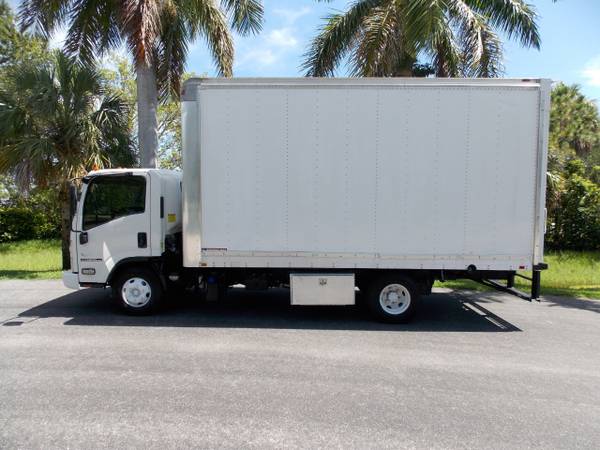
(148, 263)
(423, 279)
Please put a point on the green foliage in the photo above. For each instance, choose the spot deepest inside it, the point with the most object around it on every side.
(573, 195)
(121, 80)
(574, 167)
(387, 37)
(595, 174)
(27, 222)
(576, 221)
(156, 33)
(17, 47)
(16, 224)
(34, 216)
(57, 121)
(574, 123)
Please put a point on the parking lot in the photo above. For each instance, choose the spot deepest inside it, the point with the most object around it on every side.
(475, 370)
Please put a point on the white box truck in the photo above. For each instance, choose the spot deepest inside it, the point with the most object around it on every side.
(325, 184)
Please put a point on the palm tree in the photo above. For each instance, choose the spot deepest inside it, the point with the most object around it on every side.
(157, 34)
(574, 123)
(389, 37)
(57, 121)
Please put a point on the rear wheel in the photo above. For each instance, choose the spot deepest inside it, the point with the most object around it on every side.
(393, 298)
(138, 290)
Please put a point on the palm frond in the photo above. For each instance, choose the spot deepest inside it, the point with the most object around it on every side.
(427, 31)
(489, 64)
(336, 38)
(141, 26)
(481, 47)
(377, 31)
(55, 119)
(420, 19)
(246, 15)
(446, 52)
(171, 53)
(111, 114)
(93, 29)
(43, 16)
(205, 18)
(459, 36)
(515, 18)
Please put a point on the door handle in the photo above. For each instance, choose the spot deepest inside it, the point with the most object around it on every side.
(83, 237)
(142, 240)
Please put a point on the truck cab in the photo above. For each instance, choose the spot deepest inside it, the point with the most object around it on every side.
(124, 218)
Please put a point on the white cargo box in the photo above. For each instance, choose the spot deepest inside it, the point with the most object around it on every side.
(322, 289)
(364, 173)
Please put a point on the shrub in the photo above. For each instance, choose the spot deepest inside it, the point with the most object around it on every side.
(576, 220)
(34, 217)
(16, 223)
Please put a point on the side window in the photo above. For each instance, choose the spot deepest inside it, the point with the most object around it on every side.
(110, 197)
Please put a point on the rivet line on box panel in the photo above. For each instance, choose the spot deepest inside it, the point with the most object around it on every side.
(376, 187)
(467, 174)
(436, 174)
(287, 168)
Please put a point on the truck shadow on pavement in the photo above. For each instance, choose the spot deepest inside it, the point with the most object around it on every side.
(444, 312)
(551, 301)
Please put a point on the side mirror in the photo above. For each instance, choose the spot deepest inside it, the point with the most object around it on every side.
(72, 201)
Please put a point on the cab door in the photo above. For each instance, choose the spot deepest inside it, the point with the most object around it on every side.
(114, 223)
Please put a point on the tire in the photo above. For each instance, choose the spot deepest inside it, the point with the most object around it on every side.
(393, 298)
(137, 290)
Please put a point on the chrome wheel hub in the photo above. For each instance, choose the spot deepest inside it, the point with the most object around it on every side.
(136, 292)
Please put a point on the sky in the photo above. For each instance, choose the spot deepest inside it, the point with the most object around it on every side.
(569, 29)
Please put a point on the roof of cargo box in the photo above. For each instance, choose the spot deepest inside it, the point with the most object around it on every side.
(189, 94)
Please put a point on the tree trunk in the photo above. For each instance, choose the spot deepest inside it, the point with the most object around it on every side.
(405, 66)
(147, 102)
(65, 222)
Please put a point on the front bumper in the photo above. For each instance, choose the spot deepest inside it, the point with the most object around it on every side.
(70, 280)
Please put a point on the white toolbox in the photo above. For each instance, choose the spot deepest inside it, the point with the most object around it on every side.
(322, 289)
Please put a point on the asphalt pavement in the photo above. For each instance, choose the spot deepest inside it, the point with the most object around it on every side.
(474, 370)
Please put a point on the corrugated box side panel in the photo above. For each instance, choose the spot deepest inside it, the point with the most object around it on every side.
(366, 175)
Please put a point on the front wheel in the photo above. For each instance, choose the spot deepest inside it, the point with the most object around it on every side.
(137, 290)
(393, 298)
